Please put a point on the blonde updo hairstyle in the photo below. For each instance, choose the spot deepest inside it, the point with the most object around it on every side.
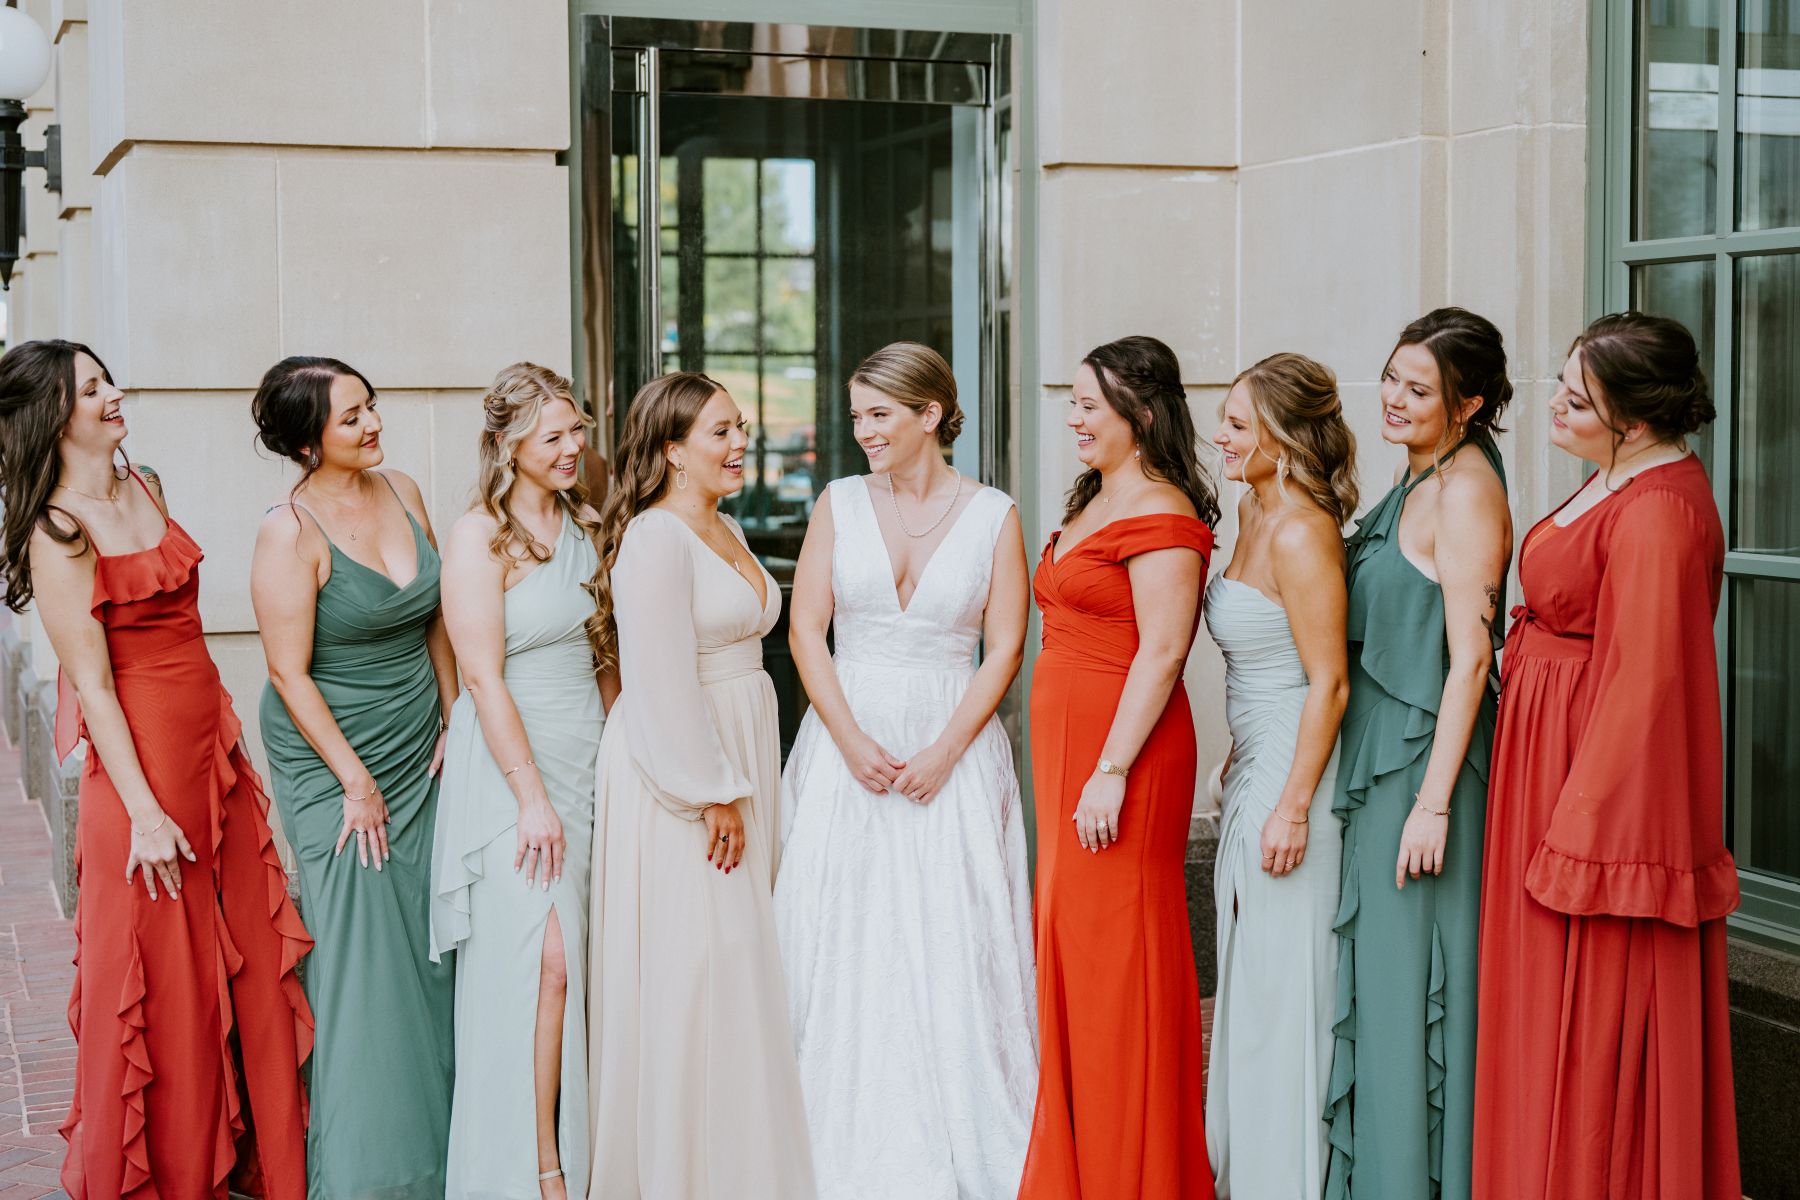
(663, 411)
(913, 374)
(1295, 401)
(510, 413)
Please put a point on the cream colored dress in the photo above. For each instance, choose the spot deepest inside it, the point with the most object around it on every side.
(694, 1088)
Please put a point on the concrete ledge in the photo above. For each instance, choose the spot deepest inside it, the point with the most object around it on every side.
(1203, 848)
(1765, 1056)
(29, 705)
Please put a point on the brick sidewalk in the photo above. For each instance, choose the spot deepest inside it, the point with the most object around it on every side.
(37, 1052)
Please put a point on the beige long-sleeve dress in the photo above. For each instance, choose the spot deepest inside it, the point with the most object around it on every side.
(694, 1088)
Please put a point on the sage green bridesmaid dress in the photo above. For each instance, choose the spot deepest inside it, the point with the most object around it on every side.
(484, 910)
(383, 1059)
(1401, 1100)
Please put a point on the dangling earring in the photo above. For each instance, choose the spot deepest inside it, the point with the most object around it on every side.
(1138, 453)
(312, 459)
(681, 479)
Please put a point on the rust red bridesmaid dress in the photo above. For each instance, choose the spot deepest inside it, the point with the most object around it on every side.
(190, 1023)
(1119, 1107)
(1603, 1060)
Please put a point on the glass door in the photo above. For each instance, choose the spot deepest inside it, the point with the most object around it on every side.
(815, 193)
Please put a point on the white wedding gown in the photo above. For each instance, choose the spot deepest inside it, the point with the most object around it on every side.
(905, 929)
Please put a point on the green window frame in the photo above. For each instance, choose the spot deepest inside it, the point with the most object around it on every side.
(1679, 208)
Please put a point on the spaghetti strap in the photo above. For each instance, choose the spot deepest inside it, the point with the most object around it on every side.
(317, 524)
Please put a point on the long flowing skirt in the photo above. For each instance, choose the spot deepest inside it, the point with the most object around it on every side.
(905, 935)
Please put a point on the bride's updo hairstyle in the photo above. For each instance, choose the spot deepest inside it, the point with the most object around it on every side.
(1295, 401)
(913, 374)
(663, 411)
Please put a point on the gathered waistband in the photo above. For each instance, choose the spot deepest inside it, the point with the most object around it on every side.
(1531, 638)
(730, 662)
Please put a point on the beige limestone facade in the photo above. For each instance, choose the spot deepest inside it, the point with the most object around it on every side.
(381, 182)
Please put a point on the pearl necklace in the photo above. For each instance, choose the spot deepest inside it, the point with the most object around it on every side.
(901, 517)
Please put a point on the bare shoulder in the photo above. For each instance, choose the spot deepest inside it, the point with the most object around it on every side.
(409, 491)
(1164, 499)
(588, 512)
(1471, 487)
(476, 525)
(1306, 533)
(821, 513)
(50, 553)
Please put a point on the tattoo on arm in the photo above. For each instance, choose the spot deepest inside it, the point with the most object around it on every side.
(1492, 592)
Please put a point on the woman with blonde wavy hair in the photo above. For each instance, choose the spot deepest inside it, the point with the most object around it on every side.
(695, 1090)
(510, 861)
(1277, 612)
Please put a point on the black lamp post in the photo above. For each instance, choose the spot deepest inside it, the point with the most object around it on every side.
(24, 65)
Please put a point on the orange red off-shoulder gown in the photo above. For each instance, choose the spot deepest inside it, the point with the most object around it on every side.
(1603, 1060)
(1119, 1108)
(190, 1023)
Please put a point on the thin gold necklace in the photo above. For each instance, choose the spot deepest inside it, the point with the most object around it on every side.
(112, 499)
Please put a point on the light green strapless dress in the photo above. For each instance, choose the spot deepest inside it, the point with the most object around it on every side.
(1401, 1107)
(482, 908)
(383, 1060)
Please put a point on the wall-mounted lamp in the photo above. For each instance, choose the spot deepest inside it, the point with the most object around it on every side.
(24, 65)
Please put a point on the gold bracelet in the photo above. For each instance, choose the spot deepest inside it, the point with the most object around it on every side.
(152, 829)
(530, 762)
(1290, 820)
(1422, 807)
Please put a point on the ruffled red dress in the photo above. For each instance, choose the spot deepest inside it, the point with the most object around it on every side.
(190, 1023)
(1603, 1046)
(1120, 1112)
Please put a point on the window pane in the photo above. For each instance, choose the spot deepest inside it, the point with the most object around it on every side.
(1768, 114)
(1768, 404)
(730, 319)
(790, 305)
(729, 203)
(671, 313)
(1676, 118)
(789, 206)
(736, 373)
(1765, 710)
(1684, 291)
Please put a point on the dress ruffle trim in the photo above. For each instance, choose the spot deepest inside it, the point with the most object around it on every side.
(1341, 1086)
(231, 769)
(127, 578)
(1584, 889)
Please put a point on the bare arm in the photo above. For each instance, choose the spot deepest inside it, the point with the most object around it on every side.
(809, 617)
(1165, 596)
(1307, 557)
(437, 639)
(64, 583)
(1308, 560)
(284, 590)
(1003, 651)
(474, 616)
(1470, 550)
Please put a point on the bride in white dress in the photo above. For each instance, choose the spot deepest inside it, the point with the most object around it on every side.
(903, 903)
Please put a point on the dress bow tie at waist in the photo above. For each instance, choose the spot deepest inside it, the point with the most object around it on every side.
(1530, 637)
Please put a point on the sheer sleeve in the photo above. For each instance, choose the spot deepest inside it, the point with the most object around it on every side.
(669, 728)
(1638, 829)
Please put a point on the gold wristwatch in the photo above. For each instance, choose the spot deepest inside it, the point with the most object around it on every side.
(1109, 767)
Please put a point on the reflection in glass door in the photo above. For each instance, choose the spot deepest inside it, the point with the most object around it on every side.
(815, 194)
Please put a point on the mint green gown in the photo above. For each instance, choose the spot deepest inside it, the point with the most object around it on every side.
(1400, 1106)
(486, 912)
(382, 1060)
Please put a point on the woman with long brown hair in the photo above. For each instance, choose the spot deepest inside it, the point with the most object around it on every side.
(190, 1025)
(696, 1092)
(1118, 1105)
(1277, 613)
(1427, 566)
(345, 583)
(515, 819)
(1603, 1044)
